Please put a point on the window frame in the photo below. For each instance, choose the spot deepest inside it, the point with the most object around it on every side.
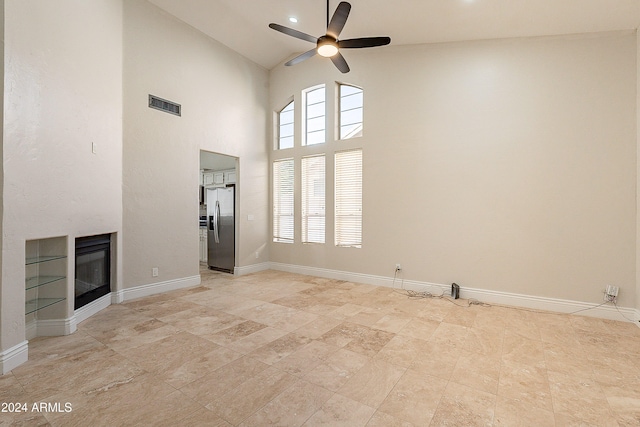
(341, 112)
(305, 115)
(279, 125)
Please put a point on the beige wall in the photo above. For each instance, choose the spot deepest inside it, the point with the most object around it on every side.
(504, 165)
(63, 80)
(2, 298)
(638, 176)
(224, 100)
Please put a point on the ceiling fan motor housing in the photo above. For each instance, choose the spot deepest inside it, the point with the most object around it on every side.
(327, 46)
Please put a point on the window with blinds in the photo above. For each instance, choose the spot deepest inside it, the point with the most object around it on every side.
(314, 116)
(285, 127)
(283, 201)
(313, 212)
(351, 107)
(348, 198)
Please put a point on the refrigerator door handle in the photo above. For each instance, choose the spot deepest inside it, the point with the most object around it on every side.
(216, 229)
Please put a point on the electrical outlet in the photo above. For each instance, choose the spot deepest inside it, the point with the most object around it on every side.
(398, 267)
(154, 271)
(611, 293)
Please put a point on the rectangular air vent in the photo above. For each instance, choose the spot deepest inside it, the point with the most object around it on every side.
(164, 105)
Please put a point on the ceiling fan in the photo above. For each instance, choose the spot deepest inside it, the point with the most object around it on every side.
(328, 45)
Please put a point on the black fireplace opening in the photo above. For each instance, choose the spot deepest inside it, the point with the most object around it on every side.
(93, 268)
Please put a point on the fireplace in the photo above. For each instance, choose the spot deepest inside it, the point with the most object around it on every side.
(93, 268)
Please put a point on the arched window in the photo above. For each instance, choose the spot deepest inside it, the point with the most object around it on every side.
(314, 116)
(351, 107)
(285, 126)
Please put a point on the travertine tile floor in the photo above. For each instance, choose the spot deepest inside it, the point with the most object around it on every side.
(275, 348)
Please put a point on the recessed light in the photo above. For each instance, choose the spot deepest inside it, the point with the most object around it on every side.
(293, 19)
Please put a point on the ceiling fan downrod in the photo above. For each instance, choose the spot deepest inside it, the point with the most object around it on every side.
(327, 14)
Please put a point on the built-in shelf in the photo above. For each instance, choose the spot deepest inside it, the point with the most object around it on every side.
(45, 275)
(41, 259)
(40, 303)
(34, 282)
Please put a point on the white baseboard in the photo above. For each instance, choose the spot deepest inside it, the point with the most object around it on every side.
(334, 274)
(13, 357)
(483, 295)
(31, 329)
(117, 297)
(84, 312)
(160, 287)
(56, 327)
(551, 304)
(50, 328)
(253, 268)
(122, 295)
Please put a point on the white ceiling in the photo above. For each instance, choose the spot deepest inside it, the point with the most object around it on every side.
(242, 25)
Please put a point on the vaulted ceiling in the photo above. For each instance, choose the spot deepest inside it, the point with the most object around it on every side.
(242, 25)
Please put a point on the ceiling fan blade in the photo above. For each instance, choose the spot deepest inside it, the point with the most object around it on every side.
(363, 42)
(340, 63)
(338, 19)
(308, 54)
(294, 33)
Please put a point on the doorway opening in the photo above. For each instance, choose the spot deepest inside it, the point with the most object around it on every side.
(218, 194)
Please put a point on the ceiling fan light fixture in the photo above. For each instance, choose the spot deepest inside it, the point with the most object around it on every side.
(327, 47)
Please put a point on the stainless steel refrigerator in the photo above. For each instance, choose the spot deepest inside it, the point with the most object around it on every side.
(221, 229)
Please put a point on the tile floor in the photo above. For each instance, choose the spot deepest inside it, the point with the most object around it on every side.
(275, 348)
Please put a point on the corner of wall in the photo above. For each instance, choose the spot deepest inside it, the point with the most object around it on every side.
(637, 299)
(13, 357)
(2, 344)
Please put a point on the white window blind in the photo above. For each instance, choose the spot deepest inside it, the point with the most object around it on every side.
(283, 201)
(348, 198)
(285, 127)
(313, 212)
(351, 107)
(315, 116)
